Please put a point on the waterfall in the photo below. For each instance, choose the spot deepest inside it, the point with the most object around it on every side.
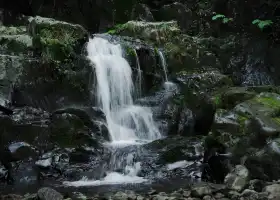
(139, 75)
(128, 124)
(163, 64)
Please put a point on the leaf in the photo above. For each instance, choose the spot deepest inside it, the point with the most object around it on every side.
(262, 23)
(256, 21)
(265, 23)
(218, 16)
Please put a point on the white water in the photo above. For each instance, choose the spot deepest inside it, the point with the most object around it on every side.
(139, 75)
(128, 124)
(163, 64)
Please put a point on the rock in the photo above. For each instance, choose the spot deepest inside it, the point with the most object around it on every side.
(230, 97)
(195, 89)
(69, 130)
(200, 191)
(215, 161)
(120, 196)
(56, 40)
(256, 185)
(16, 44)
(158, 32)
(141, 12)
(11, 197)
(176, 11)
(11, 68)
(238, 178)
(273, 191)
(70, 80)
(49, 194)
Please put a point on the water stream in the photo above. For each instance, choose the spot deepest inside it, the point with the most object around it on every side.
(128, 124)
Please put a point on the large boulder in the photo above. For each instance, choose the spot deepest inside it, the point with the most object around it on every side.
(56, 40)
(40, 57)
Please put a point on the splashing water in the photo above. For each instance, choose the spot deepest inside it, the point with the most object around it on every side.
(128, 124)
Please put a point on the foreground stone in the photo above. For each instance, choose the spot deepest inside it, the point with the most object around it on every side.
(49, 194)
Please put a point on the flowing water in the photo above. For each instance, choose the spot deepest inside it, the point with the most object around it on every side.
(163, 64)
(139, 74)
(128, 124)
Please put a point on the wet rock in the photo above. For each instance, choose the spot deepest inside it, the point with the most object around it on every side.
(49, 194)
(11, 197)
(273, 191)
(168, 149)
(70, 80)
(200, 191)
(155, 31)
(55, 39)
(215, 161)
(11, 68)
(28, 125)
(238, 178)
(69, 130)
(195, 89)
(92, 118)
(256, 185)
(16, 44)
(120, 196)
(229, 122)
(229, 98)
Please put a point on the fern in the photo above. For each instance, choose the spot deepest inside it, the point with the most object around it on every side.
(262, 23)
(222, 17)
(218, 16)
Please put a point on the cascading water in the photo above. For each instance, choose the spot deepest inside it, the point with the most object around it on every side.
(139, 75)
(163, 64)
(128, 124)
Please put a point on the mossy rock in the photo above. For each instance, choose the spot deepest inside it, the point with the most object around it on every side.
(229, 122)
(228, 98)
(16, 44)
(12, 30)
(155, 32)
(57, 40)
(68, 130)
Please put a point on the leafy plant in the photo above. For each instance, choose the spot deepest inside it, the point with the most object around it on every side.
(262, 23)
(221, 17)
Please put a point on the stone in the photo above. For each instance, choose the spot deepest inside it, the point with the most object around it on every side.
(273, 191)
(238, 178)
(11, 197)
(157, 32)
(141, 12)
(57, 40)
(219, 195)
(120, 196)
(49, 194)
(200, 191)
(176, 11)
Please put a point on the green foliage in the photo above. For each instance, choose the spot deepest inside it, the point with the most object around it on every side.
(224, 19)
(117, 28)
(262, 23)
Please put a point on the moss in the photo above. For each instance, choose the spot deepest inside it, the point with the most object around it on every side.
(218, 101)
(277, 120)
(269, 102)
